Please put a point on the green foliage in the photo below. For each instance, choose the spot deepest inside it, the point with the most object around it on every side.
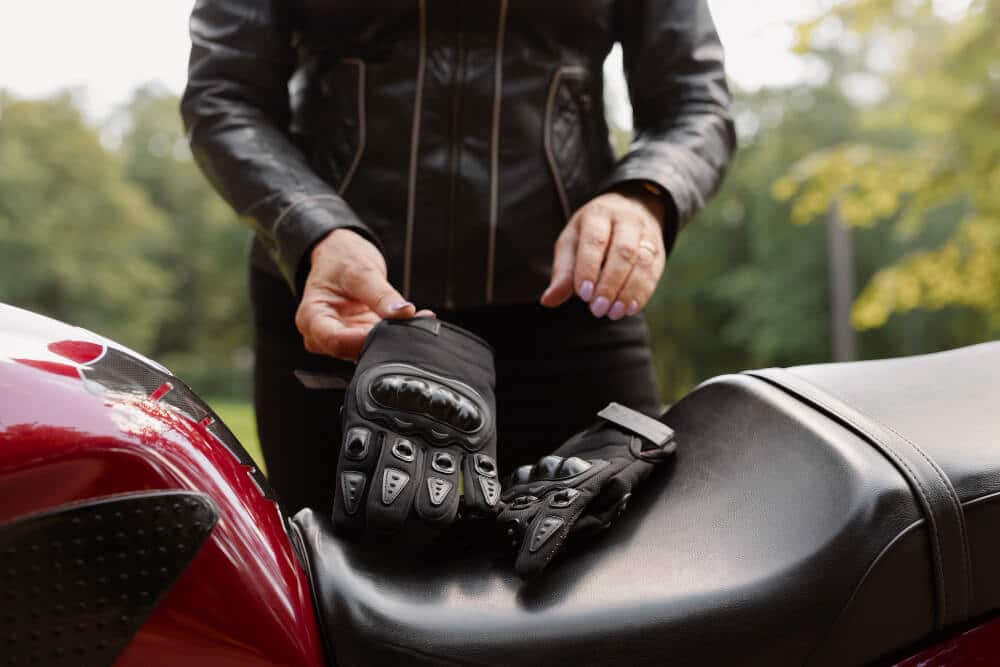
(77, 241)
(930, 166)
(128, 241)
(207, 321)
(126, 237)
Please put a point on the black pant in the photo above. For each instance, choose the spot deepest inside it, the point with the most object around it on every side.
(555, 370)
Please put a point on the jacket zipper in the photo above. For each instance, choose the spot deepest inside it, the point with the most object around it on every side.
(455, 153)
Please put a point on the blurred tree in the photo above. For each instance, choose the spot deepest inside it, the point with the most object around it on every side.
(206, 332)
(932, 169)
(77, 240)
(743, 288)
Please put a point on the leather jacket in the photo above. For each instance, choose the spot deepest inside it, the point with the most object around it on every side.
(458, 136)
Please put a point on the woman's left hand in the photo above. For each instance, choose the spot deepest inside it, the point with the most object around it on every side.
(611, 253)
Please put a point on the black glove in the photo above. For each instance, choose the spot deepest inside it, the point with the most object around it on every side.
(582, 486)
(418, 420)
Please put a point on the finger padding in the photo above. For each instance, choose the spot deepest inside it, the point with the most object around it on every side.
(359, 452)
(549, 529)
(438, 492)
(394, 483)
(481, 484)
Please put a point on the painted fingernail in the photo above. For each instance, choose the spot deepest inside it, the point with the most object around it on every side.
(586, 290)
(633, 308)
(600, 306)
(400, 306)
(617, 311)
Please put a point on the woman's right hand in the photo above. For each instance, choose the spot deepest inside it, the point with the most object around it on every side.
(346, 294)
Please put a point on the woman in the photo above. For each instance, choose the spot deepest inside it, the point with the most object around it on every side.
(396, 154)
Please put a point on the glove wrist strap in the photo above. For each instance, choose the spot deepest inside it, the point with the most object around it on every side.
(654, 431)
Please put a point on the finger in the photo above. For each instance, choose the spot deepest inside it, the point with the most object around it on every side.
(394, 483)
(425, 313)
(621, 257)
(515, 517)
(480, 484)
(557, 512)
(325, 334)
(641, 283)
(438, 493)
(561, 286)
(358, 454)
(592, 244)
(370, 287)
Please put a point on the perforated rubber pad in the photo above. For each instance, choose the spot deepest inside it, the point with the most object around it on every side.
(78, 582)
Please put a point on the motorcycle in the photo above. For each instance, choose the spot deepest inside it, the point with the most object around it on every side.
(825, 515)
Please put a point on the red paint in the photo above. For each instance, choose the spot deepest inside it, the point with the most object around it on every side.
(245, 599)
(161, 391)
(80, 351)
(978, 647)
(52, 367)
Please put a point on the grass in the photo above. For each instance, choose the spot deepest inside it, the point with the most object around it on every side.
(238, 416)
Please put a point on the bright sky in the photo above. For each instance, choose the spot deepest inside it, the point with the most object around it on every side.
(108, 47)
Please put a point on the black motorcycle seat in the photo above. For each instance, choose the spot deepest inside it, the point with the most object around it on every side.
(784, 533)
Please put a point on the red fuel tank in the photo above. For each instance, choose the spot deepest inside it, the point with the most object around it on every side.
(86, 423)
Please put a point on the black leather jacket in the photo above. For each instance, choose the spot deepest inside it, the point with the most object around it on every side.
(457, 135)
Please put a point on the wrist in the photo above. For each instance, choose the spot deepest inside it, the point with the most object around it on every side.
(649, 195)
(334, 238)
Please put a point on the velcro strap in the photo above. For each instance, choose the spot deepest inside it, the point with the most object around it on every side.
(655, 431)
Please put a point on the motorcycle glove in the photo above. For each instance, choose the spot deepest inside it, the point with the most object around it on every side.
(418, 423)
(583, 486)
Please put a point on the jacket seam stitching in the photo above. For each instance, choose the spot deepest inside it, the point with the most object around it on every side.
(547, 136)
(312, 199)
(495, 148)
(362, 125)
(414, 149)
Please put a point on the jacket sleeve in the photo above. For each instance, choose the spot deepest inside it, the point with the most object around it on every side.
(236, 113)
(684, 134)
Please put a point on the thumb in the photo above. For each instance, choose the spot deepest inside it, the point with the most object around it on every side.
(373, 290)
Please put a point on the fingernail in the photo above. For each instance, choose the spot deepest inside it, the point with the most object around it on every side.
(586, 290)
(546, 293)
(617, 311)
(600, 306)
(633, 308)
(400, 306)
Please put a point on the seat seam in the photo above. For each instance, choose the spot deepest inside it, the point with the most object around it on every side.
(953, 498)
(888, 548)
(818, 396)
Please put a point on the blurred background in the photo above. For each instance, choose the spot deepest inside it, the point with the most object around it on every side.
(860, 218)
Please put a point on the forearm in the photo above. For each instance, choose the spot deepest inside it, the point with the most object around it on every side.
(235, 110)
(684, 130)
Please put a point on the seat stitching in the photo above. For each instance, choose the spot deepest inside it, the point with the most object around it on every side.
(956, 504)
(888, 450)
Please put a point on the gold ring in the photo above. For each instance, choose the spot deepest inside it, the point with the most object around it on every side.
(646, 245)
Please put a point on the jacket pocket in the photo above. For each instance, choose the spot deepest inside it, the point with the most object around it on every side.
(341, 131)
(567, 115)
